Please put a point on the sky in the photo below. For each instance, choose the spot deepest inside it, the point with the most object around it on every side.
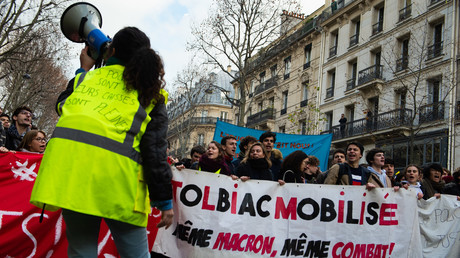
(166, 22)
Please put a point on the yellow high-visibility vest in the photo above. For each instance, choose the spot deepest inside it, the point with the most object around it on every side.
(92, 163)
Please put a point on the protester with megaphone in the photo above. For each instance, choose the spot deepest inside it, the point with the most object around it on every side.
(108, 147)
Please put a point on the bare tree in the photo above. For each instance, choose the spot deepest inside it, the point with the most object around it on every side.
(192, 85)
(31, 57)
(21, 19)
(234, 32)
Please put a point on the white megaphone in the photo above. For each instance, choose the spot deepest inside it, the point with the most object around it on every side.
(81, 22)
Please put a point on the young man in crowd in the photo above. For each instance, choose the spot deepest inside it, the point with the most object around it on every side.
(350, 172)
(338, 156)
(390, 169)
(229, 145)
(245, 144)
(22, 119)
(195, 155)
(268, 139)
(376, 160)
(5, 120)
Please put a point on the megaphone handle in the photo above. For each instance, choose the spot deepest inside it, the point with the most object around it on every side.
(82, 26)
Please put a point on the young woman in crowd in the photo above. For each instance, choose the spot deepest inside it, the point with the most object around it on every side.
(412, 175)
(256, 165)
(213, 160)
(293, 168)
(34, 141)
(432, 182)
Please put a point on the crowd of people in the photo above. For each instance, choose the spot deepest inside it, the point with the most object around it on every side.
(17, 133)
(258, 159)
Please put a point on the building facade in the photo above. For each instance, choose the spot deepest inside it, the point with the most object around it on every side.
(193, 113)
(389, 66)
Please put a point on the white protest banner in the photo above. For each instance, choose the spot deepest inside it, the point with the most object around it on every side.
(440, 226)
(216, 216)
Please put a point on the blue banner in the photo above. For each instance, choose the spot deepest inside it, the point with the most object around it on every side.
(316, 145)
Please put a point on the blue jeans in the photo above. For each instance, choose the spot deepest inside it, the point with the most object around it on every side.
(82, 231)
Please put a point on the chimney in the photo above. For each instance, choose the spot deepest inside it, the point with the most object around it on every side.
(289, 20)
(229, 68)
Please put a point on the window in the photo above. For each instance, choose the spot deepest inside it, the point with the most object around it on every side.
(435, 49)
(271, 102)
(204, 115)
(223, 115)
(406, 10)
(251, 90)
(282, 129)
(259, 107)
(328, 120)
(353, 70)
(287, 67)
(333, 43)
(273, 71)
(403, 62)
(304, 100)
(350, 113)
(201, 139)
(401, 99)
(330, 90)
(378, 26)
(303, 126)
(262, 77)
(354, 39)
(284, 103)
(307, 56)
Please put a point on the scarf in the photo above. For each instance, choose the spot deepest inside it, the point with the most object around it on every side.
(213, 165)
(432, 187)
(258, 164)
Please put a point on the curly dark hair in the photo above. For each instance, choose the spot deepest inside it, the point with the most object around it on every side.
(144, 70)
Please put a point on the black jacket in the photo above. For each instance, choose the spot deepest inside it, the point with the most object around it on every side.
(452, 188)
(255, 169)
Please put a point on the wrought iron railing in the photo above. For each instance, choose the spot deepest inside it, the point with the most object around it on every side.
(333, 51)
(283, 111)
(370, 73)
(303, 103)
(435, 1)
(306, 65)
(335, 7)
(274, 50)
(354, 40)
(351, 83)
(261, 116)
(392, 119)
(268, 84)
(377, 27)
(431, 112)
(402, 63)
(435, 50)
(405, 12)
(329, 92)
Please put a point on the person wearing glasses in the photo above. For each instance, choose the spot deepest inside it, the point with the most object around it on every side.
(22, 119)
(34, 142)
